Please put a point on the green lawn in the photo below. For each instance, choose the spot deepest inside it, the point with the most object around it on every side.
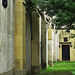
(60, 68)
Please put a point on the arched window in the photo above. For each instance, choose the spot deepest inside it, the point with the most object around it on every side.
(5, 3)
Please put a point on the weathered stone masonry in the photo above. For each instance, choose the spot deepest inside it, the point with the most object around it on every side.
(7, 38)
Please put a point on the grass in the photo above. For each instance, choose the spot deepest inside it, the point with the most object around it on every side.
(60, 68)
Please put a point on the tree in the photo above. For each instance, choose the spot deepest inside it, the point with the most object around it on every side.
(62, 9)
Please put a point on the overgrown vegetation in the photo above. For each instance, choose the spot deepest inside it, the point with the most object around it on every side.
(63, 10)
(59, 68)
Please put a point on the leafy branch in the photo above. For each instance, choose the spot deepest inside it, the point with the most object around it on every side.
(62, 9)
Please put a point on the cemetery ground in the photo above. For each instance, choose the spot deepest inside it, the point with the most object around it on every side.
(60, 68)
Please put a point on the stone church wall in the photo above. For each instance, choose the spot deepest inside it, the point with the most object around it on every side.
(7, 38)
(70, 42)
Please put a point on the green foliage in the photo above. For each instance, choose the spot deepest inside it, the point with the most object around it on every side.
(72, 36)
(64, 10)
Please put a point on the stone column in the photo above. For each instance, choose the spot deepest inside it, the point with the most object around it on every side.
(50, 52)
(44, 45)
(7, 38)
(54, 49)
(21, 62)
(28, 45)
(36, 40)
(58, 45)
(55, 45)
